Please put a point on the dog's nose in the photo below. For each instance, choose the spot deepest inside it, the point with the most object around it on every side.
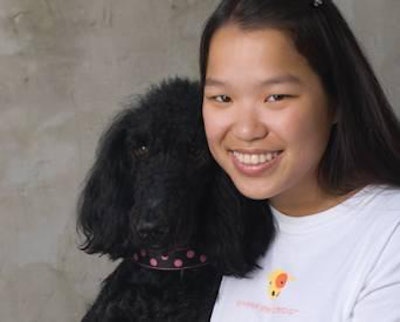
(151, 231)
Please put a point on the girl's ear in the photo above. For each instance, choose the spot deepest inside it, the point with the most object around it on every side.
(105, 201)
(334, 113)
(335, 118)
(240, 229)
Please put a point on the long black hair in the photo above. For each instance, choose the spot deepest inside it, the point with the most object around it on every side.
(364, 145)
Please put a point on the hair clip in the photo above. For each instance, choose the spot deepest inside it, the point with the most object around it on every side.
(318, 3)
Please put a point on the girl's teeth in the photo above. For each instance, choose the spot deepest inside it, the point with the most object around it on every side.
(254, 159)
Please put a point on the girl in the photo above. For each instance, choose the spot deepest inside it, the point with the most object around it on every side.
(294, 114)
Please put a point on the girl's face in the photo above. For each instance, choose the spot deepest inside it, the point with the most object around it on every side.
(266, 116)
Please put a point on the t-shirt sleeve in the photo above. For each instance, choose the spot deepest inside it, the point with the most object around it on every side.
(380, 297)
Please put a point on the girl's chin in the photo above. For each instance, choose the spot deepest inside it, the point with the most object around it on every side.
(251, 189)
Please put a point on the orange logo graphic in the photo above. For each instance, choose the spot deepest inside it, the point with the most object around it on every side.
(277, 281)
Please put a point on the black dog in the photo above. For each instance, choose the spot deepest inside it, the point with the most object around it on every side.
(156, 199)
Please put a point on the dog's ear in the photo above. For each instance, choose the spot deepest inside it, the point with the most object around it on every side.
(107, 195)
(240, 231)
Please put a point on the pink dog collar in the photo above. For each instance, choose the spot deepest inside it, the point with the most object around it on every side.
(175, 260)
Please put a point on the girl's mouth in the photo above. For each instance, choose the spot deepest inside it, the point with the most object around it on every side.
(250, 159)
(253, 164)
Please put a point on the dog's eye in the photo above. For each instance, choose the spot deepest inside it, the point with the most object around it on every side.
(141, 151)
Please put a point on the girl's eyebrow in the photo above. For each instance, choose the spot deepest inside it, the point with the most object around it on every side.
(287, 78)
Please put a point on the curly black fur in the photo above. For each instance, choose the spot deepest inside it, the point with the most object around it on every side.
(154, 185)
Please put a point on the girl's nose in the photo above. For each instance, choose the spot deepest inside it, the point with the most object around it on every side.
(249, 126)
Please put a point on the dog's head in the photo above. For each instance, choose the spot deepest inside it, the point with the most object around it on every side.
(155, 185)
(151, 174)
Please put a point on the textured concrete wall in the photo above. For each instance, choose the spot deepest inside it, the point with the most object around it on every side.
(64, 67)
(375, 23)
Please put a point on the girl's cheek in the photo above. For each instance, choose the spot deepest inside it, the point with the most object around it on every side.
(214, 120)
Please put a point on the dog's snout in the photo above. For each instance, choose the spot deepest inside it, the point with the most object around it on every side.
(151, 231)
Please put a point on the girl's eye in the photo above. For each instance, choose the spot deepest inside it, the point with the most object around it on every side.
(221, 98)
(276, 97)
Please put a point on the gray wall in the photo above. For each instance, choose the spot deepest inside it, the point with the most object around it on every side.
(64, 68)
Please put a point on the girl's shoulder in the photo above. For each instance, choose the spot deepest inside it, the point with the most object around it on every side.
(384, 196)
(379, 204)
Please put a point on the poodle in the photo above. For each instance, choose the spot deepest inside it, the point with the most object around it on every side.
(156, 200)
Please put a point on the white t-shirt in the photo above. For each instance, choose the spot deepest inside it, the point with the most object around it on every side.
(340, 265)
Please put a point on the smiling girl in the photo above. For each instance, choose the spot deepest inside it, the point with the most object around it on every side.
(294, 115)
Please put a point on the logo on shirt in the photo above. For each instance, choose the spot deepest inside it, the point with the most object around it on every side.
(277, 281)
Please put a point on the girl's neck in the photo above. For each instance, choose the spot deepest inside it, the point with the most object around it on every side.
(303, 204)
